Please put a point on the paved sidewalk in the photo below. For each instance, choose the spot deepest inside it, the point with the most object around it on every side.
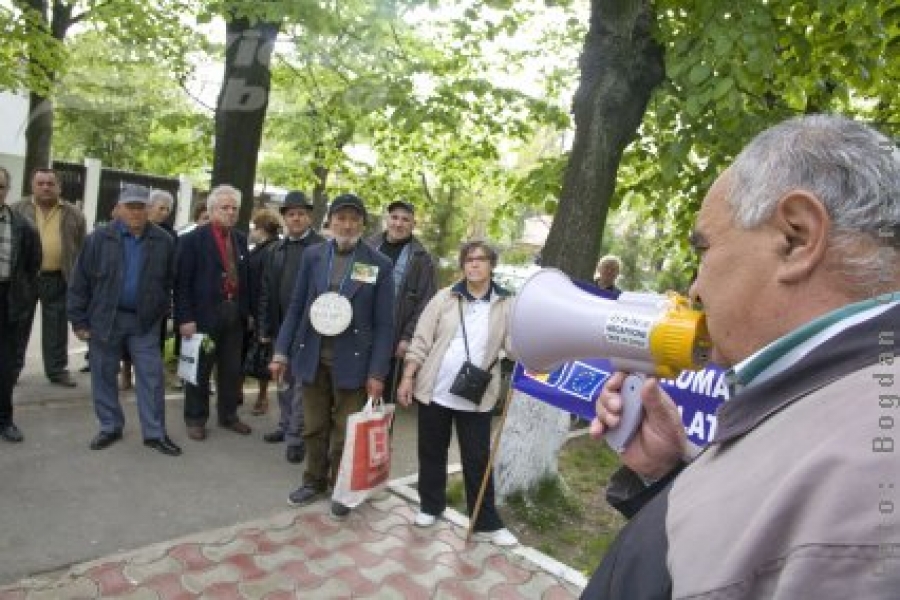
(304, 553)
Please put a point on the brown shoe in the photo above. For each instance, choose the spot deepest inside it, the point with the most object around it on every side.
(197, 432)
(238, 427)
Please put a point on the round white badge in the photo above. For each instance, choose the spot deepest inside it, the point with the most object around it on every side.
(330, 314)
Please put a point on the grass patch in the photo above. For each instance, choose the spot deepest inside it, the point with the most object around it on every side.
(567, 518)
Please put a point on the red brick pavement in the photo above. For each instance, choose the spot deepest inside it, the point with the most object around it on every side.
(303, 553)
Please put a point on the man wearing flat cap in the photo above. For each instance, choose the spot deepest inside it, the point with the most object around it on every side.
(336, 337)
(279, 278)
(117, 297)
(414, 277)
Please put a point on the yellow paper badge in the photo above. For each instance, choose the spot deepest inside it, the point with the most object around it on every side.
(364, 273)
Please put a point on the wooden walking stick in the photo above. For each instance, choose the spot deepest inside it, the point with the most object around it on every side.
(490, 464)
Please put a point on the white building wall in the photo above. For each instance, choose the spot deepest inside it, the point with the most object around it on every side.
(13, 118)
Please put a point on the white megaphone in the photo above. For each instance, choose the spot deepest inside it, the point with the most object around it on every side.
(554, 322)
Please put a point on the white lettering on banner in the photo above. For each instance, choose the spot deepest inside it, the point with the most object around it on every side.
(705, 382)
(628, 330)
(702, 426)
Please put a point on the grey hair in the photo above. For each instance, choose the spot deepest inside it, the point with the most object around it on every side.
(219, 191)
(851, 168)
(160, 197)
(610, 258)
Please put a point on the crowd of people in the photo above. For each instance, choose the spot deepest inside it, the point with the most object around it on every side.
(118, 285)
(794, 496)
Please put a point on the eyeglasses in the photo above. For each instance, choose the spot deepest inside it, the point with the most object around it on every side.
(472, 259)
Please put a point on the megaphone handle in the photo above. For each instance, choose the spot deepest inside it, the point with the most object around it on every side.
(632, 413)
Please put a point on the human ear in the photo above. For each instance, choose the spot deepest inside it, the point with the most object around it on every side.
(802, 223)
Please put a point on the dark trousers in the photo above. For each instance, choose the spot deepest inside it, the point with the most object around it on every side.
(473, 429)
(228, 336)
(393, 380)
(325, 412)
(290, 405)
(54, 326)
(7, 357)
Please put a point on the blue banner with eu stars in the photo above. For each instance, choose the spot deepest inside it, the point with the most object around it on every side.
(575, 385)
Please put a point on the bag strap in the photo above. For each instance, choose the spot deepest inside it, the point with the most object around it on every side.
(462, 323)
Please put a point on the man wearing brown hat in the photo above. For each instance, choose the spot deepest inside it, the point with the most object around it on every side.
(278, 280)
(336, 336)
(414, 277)
(119, 293)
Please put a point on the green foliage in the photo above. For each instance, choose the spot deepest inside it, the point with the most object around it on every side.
(734, 70)
(117, 104)
(25, 34)
(423, 101)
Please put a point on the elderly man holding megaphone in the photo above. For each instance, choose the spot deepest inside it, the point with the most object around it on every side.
(798, 493)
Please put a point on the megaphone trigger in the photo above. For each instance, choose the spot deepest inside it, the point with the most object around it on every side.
(632, 413)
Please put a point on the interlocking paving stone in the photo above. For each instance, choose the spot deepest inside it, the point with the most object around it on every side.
(169, 587)
(303, 553)
(218, 552)
(143, 571)
(190, 556)
(200, 580)
(139, 594)
(300, 575)
(266, 587)
(110, 579)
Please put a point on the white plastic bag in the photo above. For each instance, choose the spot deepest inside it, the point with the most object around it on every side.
(189, 357)
(366, 461)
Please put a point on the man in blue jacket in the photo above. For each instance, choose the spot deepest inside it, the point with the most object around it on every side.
(118, 295)
(212, 298)
(337, 336)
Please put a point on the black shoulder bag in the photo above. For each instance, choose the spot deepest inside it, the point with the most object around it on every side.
(471, 382)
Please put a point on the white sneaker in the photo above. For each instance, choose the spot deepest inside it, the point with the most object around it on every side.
(501, 537)
(424, 520)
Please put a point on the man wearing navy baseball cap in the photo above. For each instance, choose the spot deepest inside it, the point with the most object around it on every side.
(336, 337)
(117, 298)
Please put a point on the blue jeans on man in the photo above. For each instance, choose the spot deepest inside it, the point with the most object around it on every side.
(105, 357)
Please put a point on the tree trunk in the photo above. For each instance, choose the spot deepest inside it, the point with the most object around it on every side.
(39, 129)
(621, 65)
(241, 107)
(319, 197)
(38, 137)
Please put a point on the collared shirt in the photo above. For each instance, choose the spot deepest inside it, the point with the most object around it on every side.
(5, 243)
(133, 253)
(787, 350)
(476, 313)
(49, 225)
(229, 284)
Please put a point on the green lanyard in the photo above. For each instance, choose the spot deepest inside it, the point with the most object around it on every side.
(785, 344)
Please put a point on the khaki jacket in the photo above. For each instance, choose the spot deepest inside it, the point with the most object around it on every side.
(72, 229)
(435, 330)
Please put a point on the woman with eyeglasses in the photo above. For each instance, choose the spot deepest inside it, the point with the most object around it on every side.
(464, 324)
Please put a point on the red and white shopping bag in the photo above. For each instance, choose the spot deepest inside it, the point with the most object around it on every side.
(366, 461)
